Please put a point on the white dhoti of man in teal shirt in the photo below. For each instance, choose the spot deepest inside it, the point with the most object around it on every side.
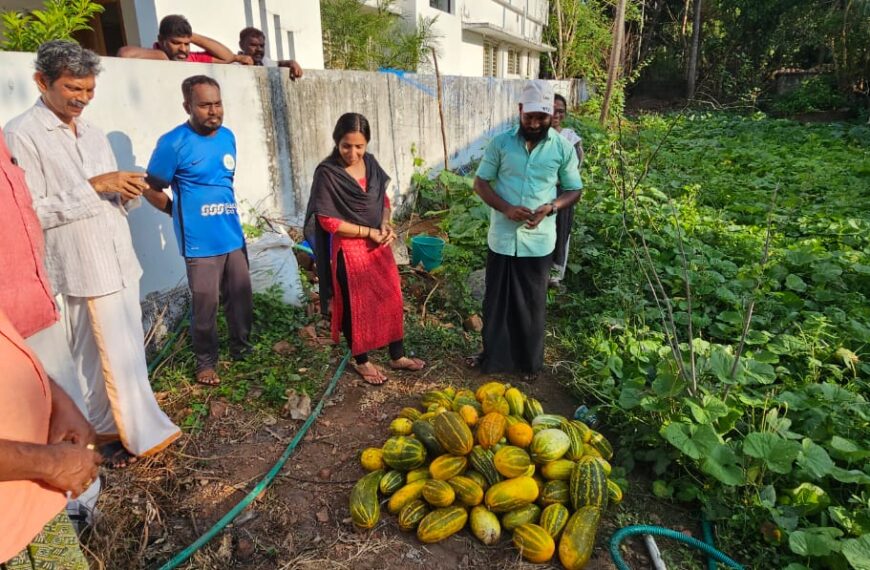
(517, 178)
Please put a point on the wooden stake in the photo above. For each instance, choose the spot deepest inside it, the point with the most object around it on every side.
(615, 60)
(441, 113)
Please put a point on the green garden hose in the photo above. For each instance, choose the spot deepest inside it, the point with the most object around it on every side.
(267, 480)
(658, 531)
(707, 531)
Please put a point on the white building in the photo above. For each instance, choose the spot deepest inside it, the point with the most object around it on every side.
(292, 27)
(490, 38)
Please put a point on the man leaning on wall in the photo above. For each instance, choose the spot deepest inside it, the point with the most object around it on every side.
(82, 200)
(252, 42)
(174, 39)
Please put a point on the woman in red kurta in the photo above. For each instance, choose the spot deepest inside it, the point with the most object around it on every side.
(348, 221)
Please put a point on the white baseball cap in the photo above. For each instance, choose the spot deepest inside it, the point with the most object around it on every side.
(537, 97)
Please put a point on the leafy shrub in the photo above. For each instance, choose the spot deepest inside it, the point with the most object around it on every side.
(816, 94)
(58, 20)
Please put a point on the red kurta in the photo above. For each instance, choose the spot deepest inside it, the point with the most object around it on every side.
(375, 290)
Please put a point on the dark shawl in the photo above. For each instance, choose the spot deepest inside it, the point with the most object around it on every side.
(335, 194)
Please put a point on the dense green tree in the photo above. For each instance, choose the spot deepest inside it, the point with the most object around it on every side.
(358, 37)
(745, 41)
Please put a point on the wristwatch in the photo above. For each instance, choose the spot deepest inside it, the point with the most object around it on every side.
(555, 208)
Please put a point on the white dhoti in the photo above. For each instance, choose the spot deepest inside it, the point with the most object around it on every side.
(52, 349)
(108, 348)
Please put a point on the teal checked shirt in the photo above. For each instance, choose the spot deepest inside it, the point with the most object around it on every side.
(529, 179)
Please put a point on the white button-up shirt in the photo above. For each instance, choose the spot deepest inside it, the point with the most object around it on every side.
(88, 249)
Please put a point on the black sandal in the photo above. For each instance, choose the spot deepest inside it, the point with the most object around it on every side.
(116, 456)
(474, 361)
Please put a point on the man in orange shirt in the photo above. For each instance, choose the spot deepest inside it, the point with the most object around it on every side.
(45, 457)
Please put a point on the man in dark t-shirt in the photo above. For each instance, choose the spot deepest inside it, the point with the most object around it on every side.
(197, 159)
(173, 43)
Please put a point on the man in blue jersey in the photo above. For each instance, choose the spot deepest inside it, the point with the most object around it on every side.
(198, 160)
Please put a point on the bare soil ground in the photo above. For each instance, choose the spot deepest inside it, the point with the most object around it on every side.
(157, 507)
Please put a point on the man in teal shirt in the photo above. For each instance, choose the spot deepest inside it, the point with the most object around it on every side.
(517, 178)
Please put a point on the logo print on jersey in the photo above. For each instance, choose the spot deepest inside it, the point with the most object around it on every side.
(229, 162)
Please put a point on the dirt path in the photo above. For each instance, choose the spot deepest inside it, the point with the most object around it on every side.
(302, 521)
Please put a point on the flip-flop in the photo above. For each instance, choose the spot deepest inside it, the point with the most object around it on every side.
(374, 379)
(116, 456)
(413, 364)
(208, 377)
(474, 360)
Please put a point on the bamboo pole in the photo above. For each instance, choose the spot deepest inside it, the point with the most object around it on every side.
(441, 114)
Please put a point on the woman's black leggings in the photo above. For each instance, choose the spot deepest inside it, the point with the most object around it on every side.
(396, 348)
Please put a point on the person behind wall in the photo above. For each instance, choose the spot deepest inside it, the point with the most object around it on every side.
(27, 299)
(348, 221)
(46, 455)
(174, 38)
(565, 216)
(197, 159)
(82, 200)
(517, 178)
(252, 43)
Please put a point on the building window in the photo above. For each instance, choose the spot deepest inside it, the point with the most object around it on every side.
(529, 64)
(513, 62)
(490, 59)
(443, 5)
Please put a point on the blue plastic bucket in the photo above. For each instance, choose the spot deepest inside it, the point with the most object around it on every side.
(427, 250)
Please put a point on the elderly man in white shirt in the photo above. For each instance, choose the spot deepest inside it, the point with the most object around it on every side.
(81, 200)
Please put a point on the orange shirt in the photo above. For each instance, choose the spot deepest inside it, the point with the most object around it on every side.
(25, 410)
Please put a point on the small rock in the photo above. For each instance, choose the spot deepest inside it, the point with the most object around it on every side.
(217, 409)
(473, 324)
(400, 252)
(245, 517)
(203, 482)
(325, 473)
(301, 408)
(302, 370)
(290, 543)
(323, 515)
(244, 549)
(283, 348)
(477, 284)
(225, 550)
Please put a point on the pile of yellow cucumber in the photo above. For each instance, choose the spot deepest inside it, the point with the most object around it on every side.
(494, 461)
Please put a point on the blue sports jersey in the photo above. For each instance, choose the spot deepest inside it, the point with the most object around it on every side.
(200, 170)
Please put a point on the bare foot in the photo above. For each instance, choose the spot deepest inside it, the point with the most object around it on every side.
(208, 377)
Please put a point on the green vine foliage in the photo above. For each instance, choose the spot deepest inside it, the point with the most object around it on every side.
(57, 20)
(773, 445)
